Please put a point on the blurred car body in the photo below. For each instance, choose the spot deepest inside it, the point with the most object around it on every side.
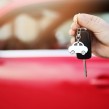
(53, 82)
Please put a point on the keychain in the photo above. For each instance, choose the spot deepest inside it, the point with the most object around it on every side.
(78, 46)
(82, 46)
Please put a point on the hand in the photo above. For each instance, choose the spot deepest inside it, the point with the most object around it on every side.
(100, 28)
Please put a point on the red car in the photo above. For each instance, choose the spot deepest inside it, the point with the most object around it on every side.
(50, 79)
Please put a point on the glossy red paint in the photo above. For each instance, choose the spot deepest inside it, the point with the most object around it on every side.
(53, 83)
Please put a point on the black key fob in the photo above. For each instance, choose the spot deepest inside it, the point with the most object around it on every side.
(85, 38)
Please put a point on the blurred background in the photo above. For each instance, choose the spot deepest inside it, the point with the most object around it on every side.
(45, 24)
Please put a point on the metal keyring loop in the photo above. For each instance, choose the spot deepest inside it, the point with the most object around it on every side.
(78, 37)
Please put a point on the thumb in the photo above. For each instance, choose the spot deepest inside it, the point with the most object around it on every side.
(91, 22)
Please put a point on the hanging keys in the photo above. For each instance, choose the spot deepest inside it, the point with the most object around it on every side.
(82, 46)
(86, 39)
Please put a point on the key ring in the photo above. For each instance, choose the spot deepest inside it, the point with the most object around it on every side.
(78, 37)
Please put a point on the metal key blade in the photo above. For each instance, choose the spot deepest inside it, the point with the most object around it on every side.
(85, 67)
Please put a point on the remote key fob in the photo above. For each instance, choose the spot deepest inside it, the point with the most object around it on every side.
(82, 46)
(85, 38)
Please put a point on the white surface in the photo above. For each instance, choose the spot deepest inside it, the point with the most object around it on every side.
(34, 53)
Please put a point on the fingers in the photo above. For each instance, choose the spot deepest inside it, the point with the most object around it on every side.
(99, 49)
(73, 29)
(91, 22)
(71, 32)
(100, 29)
(74, 26)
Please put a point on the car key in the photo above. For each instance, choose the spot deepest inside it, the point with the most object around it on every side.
(83, 35)
(85, 38)
(82, 46)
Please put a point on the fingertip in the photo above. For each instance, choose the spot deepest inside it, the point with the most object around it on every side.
(75, 18)
(71, 32)
(74, 26)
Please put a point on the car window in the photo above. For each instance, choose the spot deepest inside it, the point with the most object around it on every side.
(80, 44)
(75, 44)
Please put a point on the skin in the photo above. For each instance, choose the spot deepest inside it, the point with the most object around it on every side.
(100, 29)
